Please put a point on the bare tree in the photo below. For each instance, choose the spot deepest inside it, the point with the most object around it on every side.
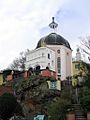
(85, 45)
(19, 63)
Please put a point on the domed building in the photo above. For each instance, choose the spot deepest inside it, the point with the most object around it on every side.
(52, 51)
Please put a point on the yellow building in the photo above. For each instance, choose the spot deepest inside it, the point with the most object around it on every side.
(76, 71)
(79, 69)
(76, 68)
(1, 78)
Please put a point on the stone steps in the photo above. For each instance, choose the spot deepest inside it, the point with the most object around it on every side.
(78, 112)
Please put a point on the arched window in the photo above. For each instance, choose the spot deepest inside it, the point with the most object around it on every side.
(48, 56)
(37, 69)
(59, 65)
(30, 69)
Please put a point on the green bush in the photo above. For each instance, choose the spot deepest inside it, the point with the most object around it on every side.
(9, 106)
(58, 110)
(85, 103)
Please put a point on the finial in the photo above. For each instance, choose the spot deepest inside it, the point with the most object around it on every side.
(78, 55)
(52, 19)
(78, 50)
(53, 25)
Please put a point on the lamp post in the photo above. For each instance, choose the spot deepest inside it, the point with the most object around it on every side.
(77, 99)
(76, 90)
(75, 85)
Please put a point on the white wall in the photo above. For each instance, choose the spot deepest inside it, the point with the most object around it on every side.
(63, 64)
(66, 60)
(40, 57)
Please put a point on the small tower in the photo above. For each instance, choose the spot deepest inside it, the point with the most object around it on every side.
(53, 25)
(78, 55)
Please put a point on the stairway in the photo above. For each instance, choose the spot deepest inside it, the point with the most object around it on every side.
(78, 112)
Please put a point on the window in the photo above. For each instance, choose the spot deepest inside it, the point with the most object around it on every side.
(53, 85)
(58, 51)
(52, 62)
(48, 56)
(59, 65)
(48, 64)
(77, 66)
(67, 53)
(59, 76)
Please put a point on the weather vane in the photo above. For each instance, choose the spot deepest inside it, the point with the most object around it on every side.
(53, 25)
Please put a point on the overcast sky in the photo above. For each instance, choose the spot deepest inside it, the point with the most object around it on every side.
(24, 22)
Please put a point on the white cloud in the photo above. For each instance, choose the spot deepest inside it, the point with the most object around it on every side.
(21, 22)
